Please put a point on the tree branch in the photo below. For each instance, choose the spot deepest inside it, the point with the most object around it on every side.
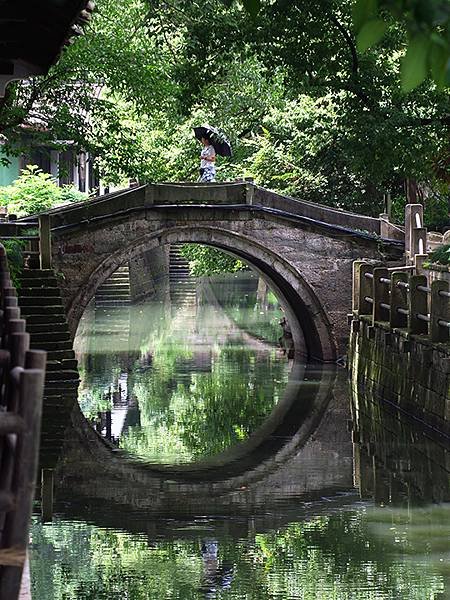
(350, 43)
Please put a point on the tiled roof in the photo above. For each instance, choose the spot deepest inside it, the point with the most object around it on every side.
(33, 33)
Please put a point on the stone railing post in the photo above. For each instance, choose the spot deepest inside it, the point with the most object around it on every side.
(398, 300)
(380, 295)
(418, 305)
(355, 285)
(365, 289)
(149, 198)
(249, 190)
(45, 245)
(413, 220)
(384, 225)
(439, 311)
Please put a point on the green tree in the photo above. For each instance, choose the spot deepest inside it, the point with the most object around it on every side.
(35, 191)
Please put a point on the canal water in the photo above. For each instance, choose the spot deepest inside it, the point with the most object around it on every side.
(203, 463)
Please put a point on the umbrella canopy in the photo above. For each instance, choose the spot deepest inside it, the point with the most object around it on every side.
(218, 140)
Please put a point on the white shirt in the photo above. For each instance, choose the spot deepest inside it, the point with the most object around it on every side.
(207, 152)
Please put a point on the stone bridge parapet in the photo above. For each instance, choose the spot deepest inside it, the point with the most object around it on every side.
(304, 251)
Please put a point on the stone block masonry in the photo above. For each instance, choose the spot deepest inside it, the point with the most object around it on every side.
(409, 372)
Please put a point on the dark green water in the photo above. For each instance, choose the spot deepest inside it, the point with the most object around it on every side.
(307, 515)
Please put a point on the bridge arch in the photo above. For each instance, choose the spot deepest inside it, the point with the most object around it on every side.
(308, 319)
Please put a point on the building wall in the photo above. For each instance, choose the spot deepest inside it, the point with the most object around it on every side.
(11, 172)
(66, 167)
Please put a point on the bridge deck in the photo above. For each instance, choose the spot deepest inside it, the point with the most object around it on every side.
(245, 196)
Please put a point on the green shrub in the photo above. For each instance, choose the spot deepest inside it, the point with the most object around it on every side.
(435, 208)
(14, 252)
(441, 255)
(35, 191)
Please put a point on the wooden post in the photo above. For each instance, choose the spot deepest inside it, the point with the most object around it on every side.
(45, 250)
(19, 345)
(380, 295)
(365, 289)
(439, 311)
(15, 532)
(399, 299)
(47, 486)
(418, 305)
(10, 302)
(35, 359)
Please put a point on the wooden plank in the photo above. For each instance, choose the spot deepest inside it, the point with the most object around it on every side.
(11, 423)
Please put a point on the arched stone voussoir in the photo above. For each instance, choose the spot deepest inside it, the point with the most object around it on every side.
(306, 314)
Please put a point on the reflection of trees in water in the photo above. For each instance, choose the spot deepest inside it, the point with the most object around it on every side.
(198, 387)
(241, 297)
(205, 412)
(359, 554)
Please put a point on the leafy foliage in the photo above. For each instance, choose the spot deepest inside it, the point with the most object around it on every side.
(441, 255)
(14, 252)
(204, 260)
(427, 23)
(305, 111)
(35, 191)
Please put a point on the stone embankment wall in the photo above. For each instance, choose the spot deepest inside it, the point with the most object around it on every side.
(408, 372)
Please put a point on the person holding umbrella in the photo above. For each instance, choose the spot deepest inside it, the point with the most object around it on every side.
(207, 160)
(214, 143)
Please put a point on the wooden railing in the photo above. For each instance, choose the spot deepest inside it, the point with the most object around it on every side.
(37, 237)
(22, 373)
(402, 299)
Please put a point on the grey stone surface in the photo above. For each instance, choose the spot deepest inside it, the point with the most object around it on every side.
(309, 267)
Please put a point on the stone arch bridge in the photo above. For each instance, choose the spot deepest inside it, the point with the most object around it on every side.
(303, 250)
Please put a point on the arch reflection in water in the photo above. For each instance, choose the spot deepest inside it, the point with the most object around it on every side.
(190, 370)
(296, 529)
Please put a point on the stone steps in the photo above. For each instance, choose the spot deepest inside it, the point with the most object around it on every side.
(37, 274)
(34, 292)
(182, 285)
(68, 375)
(60, 354)
(49, 346)
(41, 305)
(43, 311)
(44, 319)
(44, 328)
(39, 282)
(50, 336)
(115, 291)
(64, 365)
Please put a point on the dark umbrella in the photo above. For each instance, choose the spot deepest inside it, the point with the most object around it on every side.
(218, 140)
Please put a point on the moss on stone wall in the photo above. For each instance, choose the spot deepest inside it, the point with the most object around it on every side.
(409, 372)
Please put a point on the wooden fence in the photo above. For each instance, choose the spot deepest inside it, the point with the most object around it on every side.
(402, 299)
(36, 234)
(22, 373)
